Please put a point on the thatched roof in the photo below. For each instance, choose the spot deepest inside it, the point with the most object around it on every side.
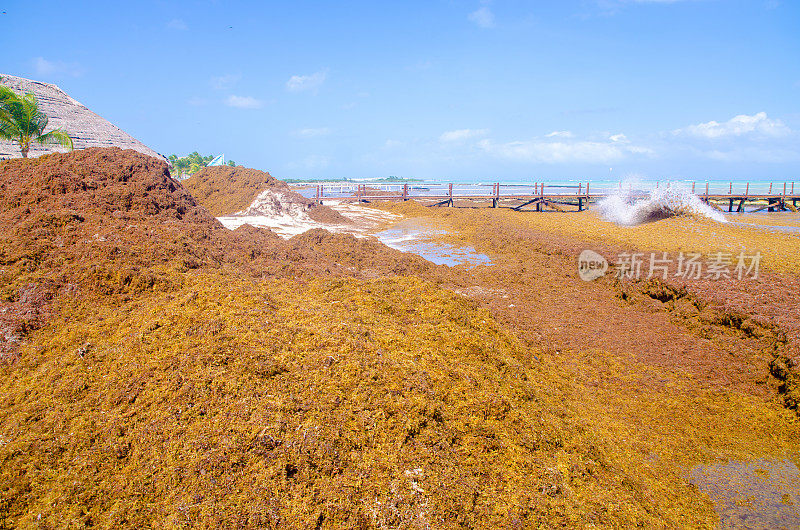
(86, 128)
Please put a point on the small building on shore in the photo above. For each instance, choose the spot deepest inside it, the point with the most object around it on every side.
(86, 128)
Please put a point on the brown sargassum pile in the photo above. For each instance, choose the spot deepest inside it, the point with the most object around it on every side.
(160, 370)
(224, 190)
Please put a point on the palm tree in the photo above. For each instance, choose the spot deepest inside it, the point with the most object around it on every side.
(22, 122)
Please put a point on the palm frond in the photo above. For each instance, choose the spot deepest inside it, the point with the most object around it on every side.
(56, 136)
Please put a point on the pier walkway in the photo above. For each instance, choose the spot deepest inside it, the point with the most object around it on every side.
(541, 196)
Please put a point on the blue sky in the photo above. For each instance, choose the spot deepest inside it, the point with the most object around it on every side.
(479, 89)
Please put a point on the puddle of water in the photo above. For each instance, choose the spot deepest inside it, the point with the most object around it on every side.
(757, 494)
(408, 237)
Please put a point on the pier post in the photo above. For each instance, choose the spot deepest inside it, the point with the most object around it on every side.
(693, 183)
(405, 192)
(770, 189)
(730, 204)
(706, 192)
(587, 195)
(450, 193)
(541, 197)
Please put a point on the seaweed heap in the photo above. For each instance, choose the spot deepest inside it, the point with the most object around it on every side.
(225, 190)
(180, 374)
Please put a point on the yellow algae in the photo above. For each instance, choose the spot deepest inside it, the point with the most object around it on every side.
(675, 234)
(185, 375)
(228, 401)
(673, 383)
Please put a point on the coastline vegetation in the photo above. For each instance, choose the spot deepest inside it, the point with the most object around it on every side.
(192, 163)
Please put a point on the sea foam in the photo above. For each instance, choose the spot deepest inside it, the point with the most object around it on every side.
(623, 208)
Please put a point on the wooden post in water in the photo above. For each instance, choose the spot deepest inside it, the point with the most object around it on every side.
(541, 197)
(693, 183)
(450, 192)
(747, 191)
(706, 192)
(730, 189)
(770, 189)
(587, 195)
(405, 192)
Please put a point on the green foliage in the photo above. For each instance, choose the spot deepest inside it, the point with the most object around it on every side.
(22, 122)
(191, 163)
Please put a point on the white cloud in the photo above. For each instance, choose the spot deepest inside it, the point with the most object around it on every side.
(46, 68)
(482, 17)
(177, 24)
(758, 124)
(298, 83)
(774, 154)
(224, 82)
(312, 132)
(618, 138)
(560, 134)
(556, 152)
(462, 134)
(244, 102)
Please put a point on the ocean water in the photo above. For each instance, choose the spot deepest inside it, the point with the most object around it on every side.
(628, 209)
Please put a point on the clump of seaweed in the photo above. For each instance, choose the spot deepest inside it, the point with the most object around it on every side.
(226, 190)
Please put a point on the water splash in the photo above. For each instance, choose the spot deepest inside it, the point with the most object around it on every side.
(629, 208)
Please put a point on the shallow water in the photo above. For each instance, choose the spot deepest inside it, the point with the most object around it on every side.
(761, 493)
(414, 238)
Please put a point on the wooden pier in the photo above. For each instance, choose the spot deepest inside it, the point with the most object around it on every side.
(540, 196)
